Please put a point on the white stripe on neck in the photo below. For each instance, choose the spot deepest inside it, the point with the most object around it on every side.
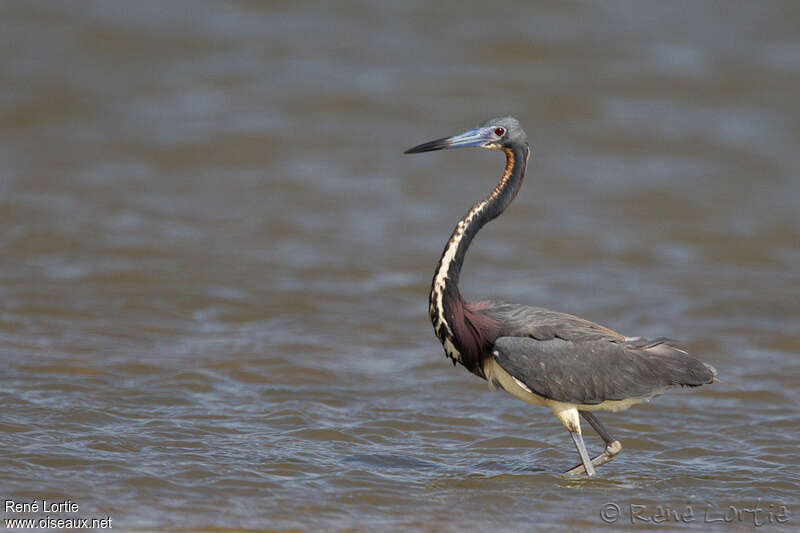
(440, 279)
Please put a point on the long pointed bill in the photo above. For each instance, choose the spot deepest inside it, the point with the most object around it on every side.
(473, 137)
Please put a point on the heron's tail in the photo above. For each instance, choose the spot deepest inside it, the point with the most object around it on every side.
(684, 369)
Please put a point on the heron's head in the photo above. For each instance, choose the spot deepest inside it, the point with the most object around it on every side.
(494, 134)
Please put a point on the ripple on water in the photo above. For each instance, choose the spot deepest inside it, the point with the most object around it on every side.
(214, 273)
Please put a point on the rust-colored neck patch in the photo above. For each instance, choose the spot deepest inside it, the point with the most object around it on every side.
(506, 173)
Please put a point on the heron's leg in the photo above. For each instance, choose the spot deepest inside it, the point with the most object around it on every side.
(567, 414)
(613, 446)
(587, 463)
(598, 427)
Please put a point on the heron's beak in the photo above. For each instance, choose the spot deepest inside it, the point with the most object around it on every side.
(473, 137)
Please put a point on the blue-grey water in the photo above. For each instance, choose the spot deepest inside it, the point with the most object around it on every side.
(214, 259)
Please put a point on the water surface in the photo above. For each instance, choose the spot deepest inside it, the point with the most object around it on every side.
(215, 258)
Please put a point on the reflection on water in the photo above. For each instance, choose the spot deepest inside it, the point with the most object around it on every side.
(215, 257)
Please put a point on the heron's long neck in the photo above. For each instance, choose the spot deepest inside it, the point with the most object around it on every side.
(446, 305)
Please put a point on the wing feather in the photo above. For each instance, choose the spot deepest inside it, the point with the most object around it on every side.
(591, 371)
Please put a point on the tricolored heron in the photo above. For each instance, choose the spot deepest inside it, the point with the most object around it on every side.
(544, 357)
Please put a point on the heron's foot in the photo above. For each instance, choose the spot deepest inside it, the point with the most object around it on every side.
(612, 450)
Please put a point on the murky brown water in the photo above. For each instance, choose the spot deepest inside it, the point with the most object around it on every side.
(215, 258)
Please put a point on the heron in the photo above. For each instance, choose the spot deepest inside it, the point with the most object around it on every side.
(546, 358)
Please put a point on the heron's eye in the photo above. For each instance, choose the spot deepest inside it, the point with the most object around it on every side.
(499, 131)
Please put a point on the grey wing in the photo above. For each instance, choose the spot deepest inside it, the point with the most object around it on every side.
(593, 371)
(544, 324)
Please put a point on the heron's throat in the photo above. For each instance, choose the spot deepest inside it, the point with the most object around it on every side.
(446, 304)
